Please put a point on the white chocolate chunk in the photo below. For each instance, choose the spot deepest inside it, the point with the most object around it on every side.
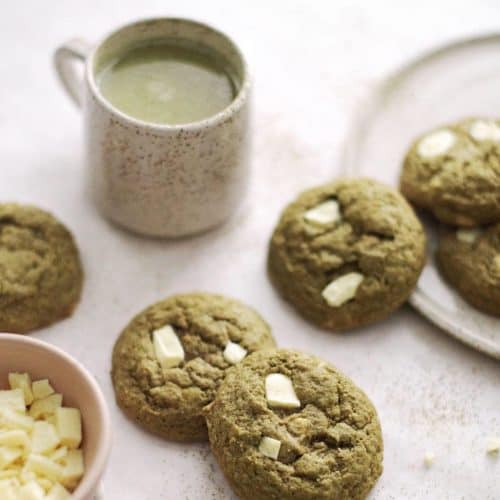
(485, 130)
(468, 235)
(31, 491)
(13, 399)
(436, 143)
(7, 491)
(59, 455)
(493, 447)
(43, 466)
(429, 459)
(10, 419)
(168, 348)
(270, 447)
(280, 392)
(43, 408)
(44, 438)
(45, 483)
(9, 455)
(9, 473)
(73, 470)
(342, 289)
(15, 438)
(325, 213)
(69, 426)
(234, 353)
(22, 381)
(42, 389)
(58, 492)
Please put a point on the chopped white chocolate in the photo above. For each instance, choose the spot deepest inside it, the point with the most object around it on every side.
(280, 392)
(69, 426)
(429, 458)
(43, 408)
(10, 419)
(73, 469)
(42, 389)
(270, 447)
(168, 348)
(468, 235)
(15, 438)
(31, 491)
(9, 455)
(13, 399)
(436, 143)
(324, 213)
(58, 492)
(234, 353)
(493, 447)
(7, 491)
(43, 466)
(22, 381)
(342, 289)
(59, 455)
(44, 438)
(485, 130)
(35, 434)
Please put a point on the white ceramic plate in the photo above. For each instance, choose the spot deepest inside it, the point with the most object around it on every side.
(455, 81)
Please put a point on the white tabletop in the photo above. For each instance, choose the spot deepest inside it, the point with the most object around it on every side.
(312, 62)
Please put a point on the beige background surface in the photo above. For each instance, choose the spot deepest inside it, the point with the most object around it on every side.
(311, 61)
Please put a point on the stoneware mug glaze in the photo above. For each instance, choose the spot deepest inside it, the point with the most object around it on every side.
(155, 179)
(22, 354)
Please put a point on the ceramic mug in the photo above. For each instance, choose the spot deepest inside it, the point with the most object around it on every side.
(155, 179)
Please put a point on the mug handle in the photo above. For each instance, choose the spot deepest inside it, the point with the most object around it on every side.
(65, 57)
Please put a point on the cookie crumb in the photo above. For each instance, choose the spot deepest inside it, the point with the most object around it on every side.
(493, 447)
(429, 459)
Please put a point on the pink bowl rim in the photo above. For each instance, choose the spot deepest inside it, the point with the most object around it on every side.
(93, 474)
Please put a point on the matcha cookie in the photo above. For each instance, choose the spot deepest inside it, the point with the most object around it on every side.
(454, 171)
(170, 360)
(40, 271)
(286, 425)
(348, 253)
(469, 259)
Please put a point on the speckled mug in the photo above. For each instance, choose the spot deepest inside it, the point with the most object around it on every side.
(161, 180)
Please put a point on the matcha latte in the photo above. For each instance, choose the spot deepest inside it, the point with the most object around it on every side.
(168, 83)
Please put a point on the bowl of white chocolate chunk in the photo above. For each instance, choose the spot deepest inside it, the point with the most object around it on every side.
(55, 431)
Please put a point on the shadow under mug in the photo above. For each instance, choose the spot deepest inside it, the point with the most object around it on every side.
(157, 179)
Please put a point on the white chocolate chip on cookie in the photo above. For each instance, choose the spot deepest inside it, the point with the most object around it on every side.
(339, 291)
(468, 235)
(234, 353)
(270, 447)
(324, 213)
(168, 348)
(436, 144)
(280, 392)
(485, 130)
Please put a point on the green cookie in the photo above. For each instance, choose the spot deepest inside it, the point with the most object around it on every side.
(347, 253)
(40, 270)
(327, 446)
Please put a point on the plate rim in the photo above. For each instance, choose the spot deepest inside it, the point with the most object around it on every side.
(363, 113)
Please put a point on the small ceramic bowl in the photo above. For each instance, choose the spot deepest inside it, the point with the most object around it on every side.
(79, 389)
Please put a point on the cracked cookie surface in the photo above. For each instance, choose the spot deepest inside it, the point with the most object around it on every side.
(459, 183)
(331, 447)
(472, 266)
(169, 401)
(377, 238)
(41, 275)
